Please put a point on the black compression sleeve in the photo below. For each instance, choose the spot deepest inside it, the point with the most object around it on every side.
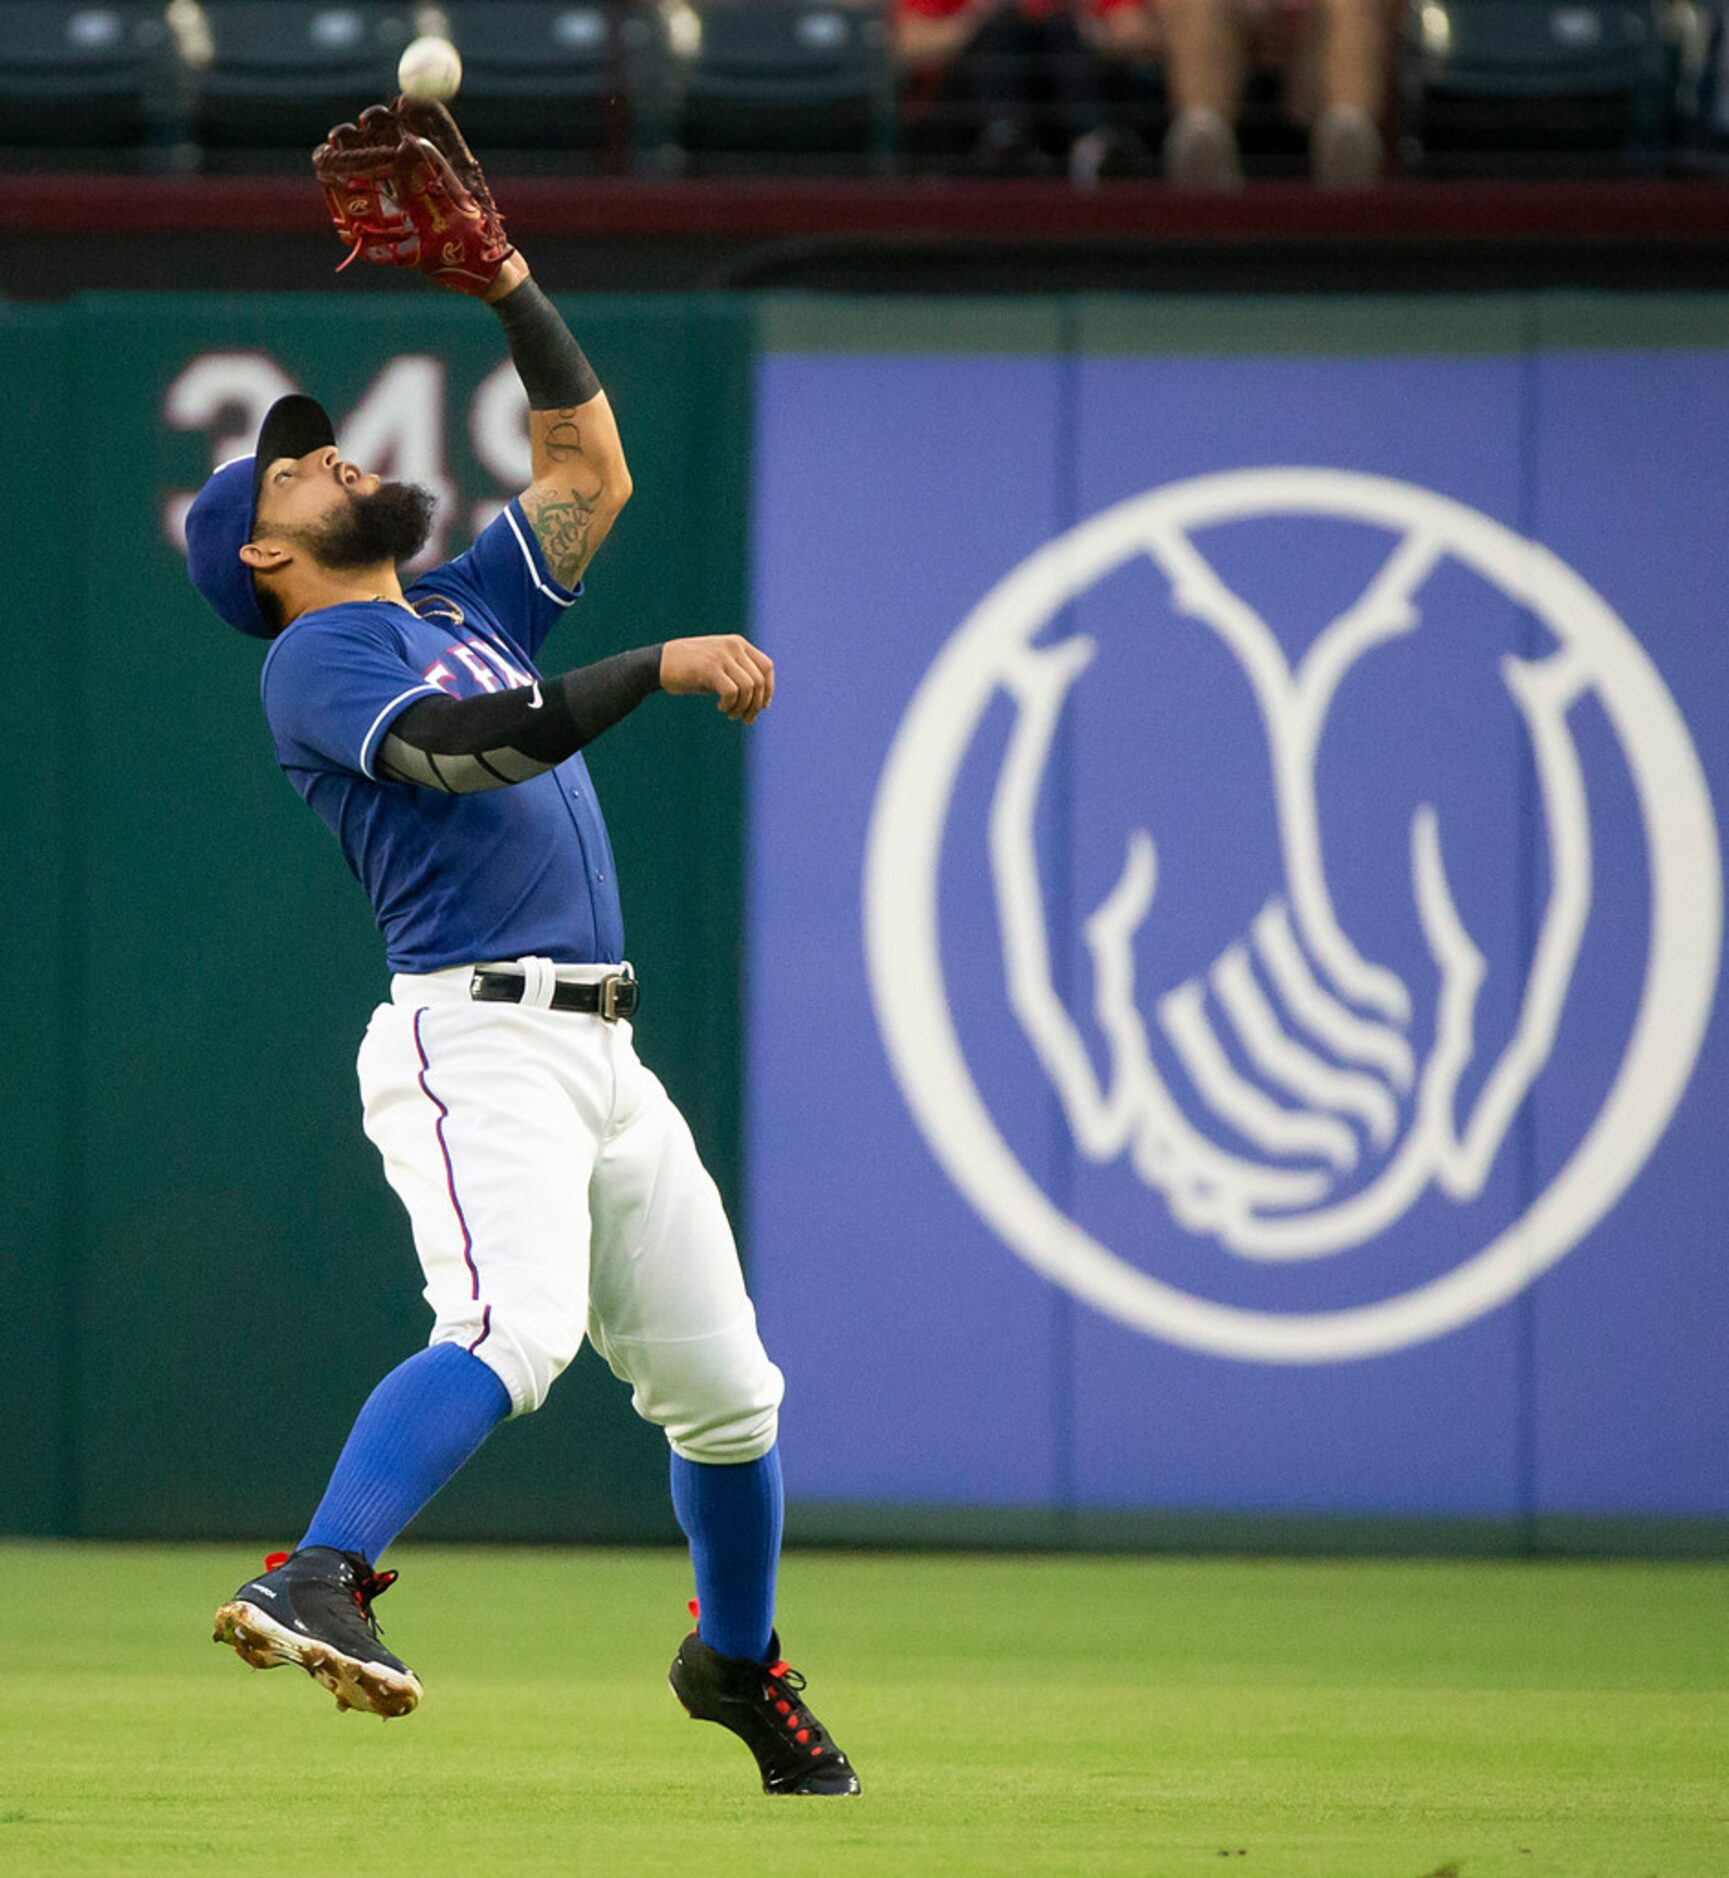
(548, 360)
(465, 745)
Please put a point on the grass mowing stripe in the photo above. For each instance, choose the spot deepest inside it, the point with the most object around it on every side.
(1026, 1715)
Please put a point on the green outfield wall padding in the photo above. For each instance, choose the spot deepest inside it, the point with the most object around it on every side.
(216, 1271)
(39, 716)
(1270, 1534)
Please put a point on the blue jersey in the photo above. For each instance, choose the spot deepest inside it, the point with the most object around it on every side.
(453, 879)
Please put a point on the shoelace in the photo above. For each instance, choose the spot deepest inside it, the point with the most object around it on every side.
(365, 1590)
(783, 1682)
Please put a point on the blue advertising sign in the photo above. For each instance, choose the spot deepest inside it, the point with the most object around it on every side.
(1236, 861)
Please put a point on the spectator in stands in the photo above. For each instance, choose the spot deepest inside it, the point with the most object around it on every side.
(1021, 87)
(1333, 55)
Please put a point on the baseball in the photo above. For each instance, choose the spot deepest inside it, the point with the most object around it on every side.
(430, 69)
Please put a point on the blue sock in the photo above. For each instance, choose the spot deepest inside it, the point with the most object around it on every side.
(732, 1518)
(418, 1427)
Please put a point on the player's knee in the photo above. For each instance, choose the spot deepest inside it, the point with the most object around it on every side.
(718, 1399)
(526, 1353)
(729, 1438)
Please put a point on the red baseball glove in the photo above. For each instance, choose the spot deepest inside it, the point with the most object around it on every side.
(404, 190)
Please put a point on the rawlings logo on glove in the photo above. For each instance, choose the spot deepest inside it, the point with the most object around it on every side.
(404, 190)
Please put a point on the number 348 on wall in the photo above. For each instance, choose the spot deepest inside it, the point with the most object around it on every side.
(396, 427)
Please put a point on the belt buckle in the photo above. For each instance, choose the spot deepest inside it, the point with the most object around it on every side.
(609, 996)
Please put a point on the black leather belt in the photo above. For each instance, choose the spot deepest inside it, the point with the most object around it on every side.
(611, 998)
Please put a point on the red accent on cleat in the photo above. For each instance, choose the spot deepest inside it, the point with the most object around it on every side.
(695, 1610)
(784, 1707)
(274, 1559)
(815, 1752)
(802, 1736)
(777, 1669)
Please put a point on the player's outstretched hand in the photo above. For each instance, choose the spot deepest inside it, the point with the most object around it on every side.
(740, 677)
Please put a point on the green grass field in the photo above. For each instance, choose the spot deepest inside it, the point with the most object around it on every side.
(1007, 1715)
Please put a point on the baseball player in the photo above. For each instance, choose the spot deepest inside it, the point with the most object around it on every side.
(553, 1188)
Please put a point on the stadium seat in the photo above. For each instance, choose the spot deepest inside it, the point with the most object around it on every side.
(97, 77)
(1529, 79)
(282, 71)
(550, 75)
(780, 80)
(1704, 86)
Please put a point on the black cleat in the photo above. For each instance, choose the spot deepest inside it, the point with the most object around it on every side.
(760, 1703)
(314, 1608)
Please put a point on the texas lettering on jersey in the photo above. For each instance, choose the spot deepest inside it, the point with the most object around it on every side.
(485, 661)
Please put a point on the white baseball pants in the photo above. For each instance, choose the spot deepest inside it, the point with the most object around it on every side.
(554, 1188)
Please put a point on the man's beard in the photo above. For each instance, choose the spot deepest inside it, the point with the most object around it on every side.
(389, 525)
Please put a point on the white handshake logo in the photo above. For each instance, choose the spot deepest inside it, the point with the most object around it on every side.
(1298, 1116)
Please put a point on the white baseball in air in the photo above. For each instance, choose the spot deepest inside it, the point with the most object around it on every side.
(430, 69)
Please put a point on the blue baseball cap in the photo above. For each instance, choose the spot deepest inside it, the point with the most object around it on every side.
(219, 523)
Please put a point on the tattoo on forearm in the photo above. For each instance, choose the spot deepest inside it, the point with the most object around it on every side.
(563, 519)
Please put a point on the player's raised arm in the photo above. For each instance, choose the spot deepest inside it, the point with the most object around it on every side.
(405, 190)
(581, 480)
